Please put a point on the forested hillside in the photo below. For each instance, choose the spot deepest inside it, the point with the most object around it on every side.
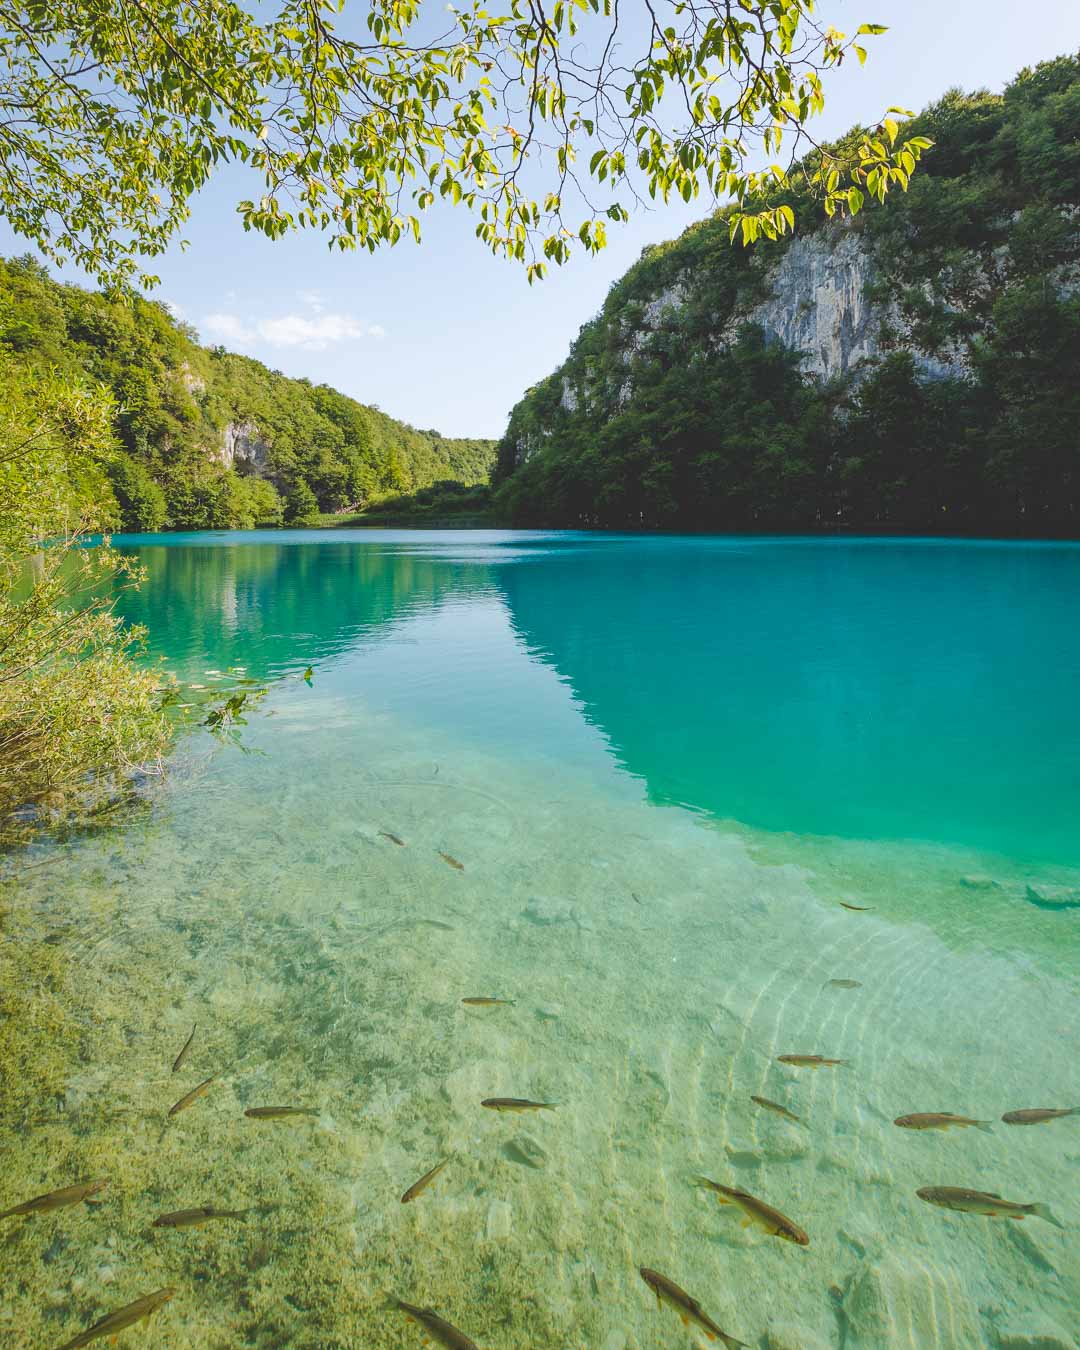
(206, 439)
(917, 367)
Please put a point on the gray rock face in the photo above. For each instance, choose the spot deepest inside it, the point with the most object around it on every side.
(819, 306)
(192, 383)
(243, 448)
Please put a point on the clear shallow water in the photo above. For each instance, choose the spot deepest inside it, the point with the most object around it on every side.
(662, 763)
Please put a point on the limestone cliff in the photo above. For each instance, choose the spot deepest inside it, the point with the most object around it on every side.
(820, 302)
(244, 448)
(723, 387)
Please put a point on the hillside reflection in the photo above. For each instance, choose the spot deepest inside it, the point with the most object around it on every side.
(865, 689)
(276, 606)
(860, 688)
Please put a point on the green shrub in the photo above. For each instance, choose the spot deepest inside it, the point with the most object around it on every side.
(78, 717)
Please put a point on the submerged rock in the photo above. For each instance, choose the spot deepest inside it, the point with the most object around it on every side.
(499, 1221)
(1053, 897)
(793, 1336)
(892, 1303)
(1035, 1331)
(544, 913)
(526, 1151)
(466, 1087)
(861, 1233)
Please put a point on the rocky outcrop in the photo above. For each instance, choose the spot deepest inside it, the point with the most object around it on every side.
(819, 300)
(193, 384)
(821, 305)
(243, 448)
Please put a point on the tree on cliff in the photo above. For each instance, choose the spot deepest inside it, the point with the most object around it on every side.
(541, 119)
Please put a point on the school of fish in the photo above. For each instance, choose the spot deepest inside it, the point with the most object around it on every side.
(756, 1212)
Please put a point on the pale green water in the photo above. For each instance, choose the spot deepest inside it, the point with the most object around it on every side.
(662, 763)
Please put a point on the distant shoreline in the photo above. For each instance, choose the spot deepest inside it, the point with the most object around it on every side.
(481, 521)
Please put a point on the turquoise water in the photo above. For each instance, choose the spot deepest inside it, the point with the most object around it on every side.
(662, 764)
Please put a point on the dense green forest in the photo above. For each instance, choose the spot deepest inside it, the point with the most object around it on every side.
(298, 448)
(966, 418)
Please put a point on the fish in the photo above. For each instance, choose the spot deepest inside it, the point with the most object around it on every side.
(394, 839)
(689, 1309)
(516, 1104)
(192, 1096)
(280, 1112)
(757, 1212)
(184, 1053)
(775, 1106)
(808, 1061)
(842, 984)
(859, 909)
(308, 675)
(61, 1199)
(939, 1120)
(436, 1327)
(195, 1218)
(418, 1187)
(123, 1317)
(451, 862)
(983, 1202)
(481, 1002)
(1036, 1115)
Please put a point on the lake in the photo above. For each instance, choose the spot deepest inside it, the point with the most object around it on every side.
(692, 804)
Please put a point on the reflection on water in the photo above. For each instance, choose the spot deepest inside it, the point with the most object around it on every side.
(483, 696)
(904, 689)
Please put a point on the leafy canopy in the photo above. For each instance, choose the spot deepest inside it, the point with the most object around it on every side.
(544, 121)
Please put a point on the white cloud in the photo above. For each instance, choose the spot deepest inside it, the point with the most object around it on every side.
(312, 298)
(227, 328)
(311, 333)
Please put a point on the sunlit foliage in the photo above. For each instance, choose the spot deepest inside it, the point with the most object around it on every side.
(78, 720)
(545, 121)
(172, 403)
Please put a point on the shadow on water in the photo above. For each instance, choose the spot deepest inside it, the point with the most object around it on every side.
(903, 689)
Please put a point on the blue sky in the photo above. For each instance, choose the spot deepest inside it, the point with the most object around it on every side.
(444, 335)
